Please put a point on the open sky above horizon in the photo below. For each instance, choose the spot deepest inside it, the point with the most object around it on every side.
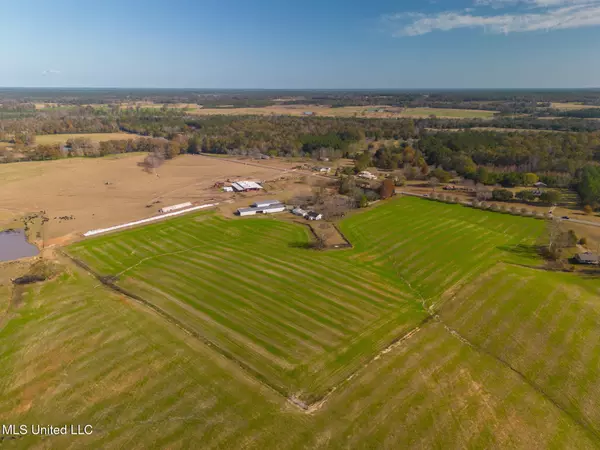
(308, 45)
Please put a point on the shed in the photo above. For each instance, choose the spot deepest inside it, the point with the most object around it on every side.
(587, 258)
(167, 209)
(299, 212)
(262, 203)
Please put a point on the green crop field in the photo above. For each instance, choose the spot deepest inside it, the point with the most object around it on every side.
(301, 320)
(496, 352)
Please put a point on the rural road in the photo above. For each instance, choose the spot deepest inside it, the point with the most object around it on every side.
(582, 222)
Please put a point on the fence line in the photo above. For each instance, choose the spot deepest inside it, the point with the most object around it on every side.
(150, 219)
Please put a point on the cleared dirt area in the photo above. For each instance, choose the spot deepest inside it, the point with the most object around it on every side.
(46, 139)
(107, 191)
(572, 106)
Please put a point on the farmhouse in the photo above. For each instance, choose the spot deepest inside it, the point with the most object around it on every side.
(366, 174)
(263, 203)
(167, 209)
(587, 258)
(312, 215)
(246, 186)
(269, 209)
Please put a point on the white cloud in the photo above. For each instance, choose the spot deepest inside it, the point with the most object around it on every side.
(534, 3)
(553, 15)
(50, 72)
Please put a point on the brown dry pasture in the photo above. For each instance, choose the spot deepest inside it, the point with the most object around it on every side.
(348, 111)
(572, 106)
(108, 191)
(46, 139)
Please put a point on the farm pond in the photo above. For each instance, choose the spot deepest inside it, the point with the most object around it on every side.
(14, 245)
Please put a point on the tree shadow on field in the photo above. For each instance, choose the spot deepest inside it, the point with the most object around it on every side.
(304, 245)
(526, 250)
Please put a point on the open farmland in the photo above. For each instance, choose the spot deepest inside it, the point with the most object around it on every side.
(572, 106)
(348, 111)
(435, 246)
(485, 374)
(301, 320)
(47, 139)
(101, 192)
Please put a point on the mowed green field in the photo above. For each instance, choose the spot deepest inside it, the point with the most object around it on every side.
(436, 247)
(509, 360)
(300, 320)
(76, 353)
(303, 321)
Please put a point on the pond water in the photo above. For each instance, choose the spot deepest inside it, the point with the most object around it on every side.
(14, 245)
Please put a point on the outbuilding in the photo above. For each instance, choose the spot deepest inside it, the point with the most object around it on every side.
(587, 258)
(262, 203)
(299, 212)
(246, 186)
(270, 209)
(167, 209)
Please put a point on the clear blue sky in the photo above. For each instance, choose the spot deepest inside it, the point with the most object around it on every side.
(300, 43)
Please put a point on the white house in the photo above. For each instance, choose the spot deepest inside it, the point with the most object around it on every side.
(312, 215)
(367, 175)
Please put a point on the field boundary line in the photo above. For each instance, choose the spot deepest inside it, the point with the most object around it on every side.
(147, 220)
(318, 404)
(310, 408)
(105, 281)
(582, 423)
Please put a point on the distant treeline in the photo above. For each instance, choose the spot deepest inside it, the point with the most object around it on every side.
(499, 100)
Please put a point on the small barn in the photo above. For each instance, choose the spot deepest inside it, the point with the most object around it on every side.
(299, 212)
(587, 258)
(246, 186)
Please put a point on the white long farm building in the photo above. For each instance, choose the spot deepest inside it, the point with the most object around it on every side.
(244, 186)
(268, 209)
(167, 209)
(263, 203)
